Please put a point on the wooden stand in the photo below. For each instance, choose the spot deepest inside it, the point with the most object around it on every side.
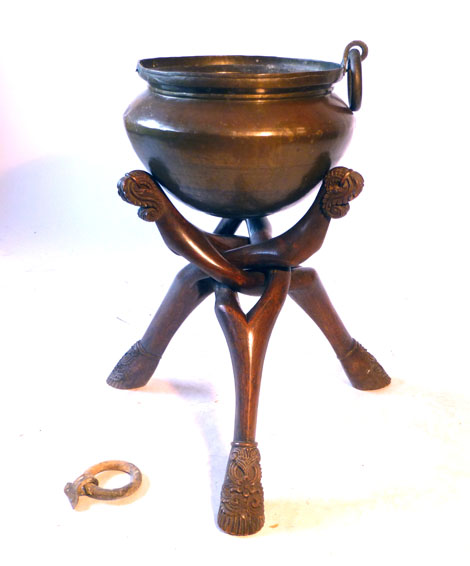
(224, 263)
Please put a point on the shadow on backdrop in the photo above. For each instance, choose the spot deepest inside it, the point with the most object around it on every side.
(200, 398)
(58, 202)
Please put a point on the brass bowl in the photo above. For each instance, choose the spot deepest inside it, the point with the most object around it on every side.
(240, 136)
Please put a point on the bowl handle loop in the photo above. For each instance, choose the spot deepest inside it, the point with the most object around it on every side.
(352, 60)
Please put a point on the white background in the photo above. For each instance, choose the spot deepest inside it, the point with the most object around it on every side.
(349, 476)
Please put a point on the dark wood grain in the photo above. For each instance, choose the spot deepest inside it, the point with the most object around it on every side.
(261, 265)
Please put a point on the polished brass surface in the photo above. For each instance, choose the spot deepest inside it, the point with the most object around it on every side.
(238, 75)
(240, 136)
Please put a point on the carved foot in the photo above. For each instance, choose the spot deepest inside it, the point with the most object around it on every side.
(241, 509)
(134, 369)
(363, 370)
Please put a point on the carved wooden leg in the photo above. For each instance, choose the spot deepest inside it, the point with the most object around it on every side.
(190, 287)
(242, 505)
(362, 369)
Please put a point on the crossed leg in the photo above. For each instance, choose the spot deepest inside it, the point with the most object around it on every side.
(362, 369)
(190, 287)
(241, 509)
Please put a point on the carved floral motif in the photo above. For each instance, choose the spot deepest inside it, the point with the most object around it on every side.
(242, 500)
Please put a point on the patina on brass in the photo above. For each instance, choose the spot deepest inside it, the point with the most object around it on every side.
(87, 483)
(241, 137)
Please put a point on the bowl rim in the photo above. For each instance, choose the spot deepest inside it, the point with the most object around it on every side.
(192, 73)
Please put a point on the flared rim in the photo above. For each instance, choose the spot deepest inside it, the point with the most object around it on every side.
(238, 73)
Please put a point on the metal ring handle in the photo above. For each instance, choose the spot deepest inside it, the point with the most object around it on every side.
(354, 79)
(349, 46)
(87, 484)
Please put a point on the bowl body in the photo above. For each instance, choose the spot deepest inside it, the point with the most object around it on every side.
(239, 136)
